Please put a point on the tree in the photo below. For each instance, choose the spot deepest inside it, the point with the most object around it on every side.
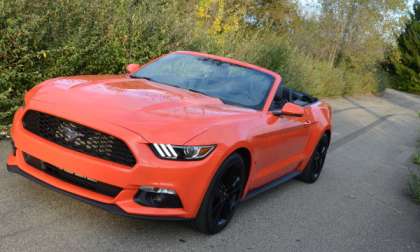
(278, 15)
(351, 32)
(406, 61)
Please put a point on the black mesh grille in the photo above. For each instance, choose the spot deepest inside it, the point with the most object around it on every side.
(78, 137)
(91, 185)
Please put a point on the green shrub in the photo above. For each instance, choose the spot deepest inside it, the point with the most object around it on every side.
(297, 70)
(414, 179)
(406, 61)
(414, 186)
(416, 158)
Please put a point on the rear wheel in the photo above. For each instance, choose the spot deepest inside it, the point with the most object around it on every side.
(222, 197)
(313, 170)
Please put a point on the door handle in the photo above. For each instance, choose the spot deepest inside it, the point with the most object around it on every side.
(307, 123)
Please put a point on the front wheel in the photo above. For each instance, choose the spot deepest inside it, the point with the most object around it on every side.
(222, 197)
(313, 170)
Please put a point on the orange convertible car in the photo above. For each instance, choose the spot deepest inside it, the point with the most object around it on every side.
(185, 137)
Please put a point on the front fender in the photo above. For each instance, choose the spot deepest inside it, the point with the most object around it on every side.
(229, 139)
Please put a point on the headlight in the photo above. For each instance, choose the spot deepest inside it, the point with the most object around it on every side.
(181, 152)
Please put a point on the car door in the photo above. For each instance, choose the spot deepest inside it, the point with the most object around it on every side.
(280, 141)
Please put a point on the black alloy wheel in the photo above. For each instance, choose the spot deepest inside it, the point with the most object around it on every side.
(222, 197)
(313, 170)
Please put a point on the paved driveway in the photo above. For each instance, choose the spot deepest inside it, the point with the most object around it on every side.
(360, 202)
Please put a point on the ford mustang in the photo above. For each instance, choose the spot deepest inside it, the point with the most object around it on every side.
(187, 136)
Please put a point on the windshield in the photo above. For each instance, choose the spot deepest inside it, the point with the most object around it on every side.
(232, 84)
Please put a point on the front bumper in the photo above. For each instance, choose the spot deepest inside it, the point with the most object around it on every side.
(189, 180)
(108, 207)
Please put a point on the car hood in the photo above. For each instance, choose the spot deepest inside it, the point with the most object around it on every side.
(156, 112)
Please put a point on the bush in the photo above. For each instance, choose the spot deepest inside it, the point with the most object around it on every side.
(414, 186)
(297, 70)
(416, 159)
(406, 60)
(414, 179)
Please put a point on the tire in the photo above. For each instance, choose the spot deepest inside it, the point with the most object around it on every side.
(314, 167)
(222, 197)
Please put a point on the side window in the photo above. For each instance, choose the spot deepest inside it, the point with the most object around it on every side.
(283, 95)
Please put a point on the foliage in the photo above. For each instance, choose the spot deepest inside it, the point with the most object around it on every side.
(406, 60)
(414, 178)
(416, 159)
(414, 186)
(354, 30)
(48, 38)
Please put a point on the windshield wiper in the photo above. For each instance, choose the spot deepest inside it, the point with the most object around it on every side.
(196, 91)
(189, 89)
(200, 92)
(141, 77)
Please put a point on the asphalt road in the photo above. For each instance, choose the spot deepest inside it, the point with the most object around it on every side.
(360, 203)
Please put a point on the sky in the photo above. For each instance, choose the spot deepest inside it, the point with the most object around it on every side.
(312, 6)
(309, 5)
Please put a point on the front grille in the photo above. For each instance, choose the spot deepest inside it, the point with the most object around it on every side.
(86, 183)
(78, 137)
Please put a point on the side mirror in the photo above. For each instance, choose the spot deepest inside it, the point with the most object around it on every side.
(132, 68)
(290, 109)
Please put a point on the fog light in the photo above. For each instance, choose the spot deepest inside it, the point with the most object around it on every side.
(157, 197)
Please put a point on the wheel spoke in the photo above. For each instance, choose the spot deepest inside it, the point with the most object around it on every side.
(319, 158)
(217, 209)
(235, 187)
(226, 196)
(323, 150)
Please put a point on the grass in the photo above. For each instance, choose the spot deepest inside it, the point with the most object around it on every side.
(414, 180)
(416, 158)
(414, 186)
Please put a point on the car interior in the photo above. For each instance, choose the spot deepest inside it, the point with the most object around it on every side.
(285, 95)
